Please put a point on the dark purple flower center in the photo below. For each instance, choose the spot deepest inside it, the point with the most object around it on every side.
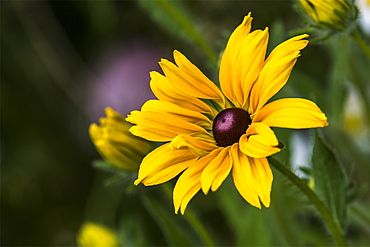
(229, 125)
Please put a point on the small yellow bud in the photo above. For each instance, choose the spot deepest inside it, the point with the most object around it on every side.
(95, 235)
(116, 144)
(327, 13)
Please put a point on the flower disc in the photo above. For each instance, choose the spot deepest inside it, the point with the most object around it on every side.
(229, 125)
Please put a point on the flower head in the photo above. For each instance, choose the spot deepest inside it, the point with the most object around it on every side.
(329, 13)
(95, 235)
(210, 132)
(116, 144)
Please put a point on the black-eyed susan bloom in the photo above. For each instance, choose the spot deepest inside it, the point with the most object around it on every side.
(210, 131)
(116, 144)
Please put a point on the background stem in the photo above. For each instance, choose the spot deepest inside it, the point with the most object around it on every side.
(189, 28)
(361, 43)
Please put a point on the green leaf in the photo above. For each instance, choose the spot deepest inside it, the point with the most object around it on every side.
(331, 222)
(330, 182)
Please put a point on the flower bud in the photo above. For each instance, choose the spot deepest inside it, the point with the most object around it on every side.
(94, 235)
(327, 13)
(116, 144)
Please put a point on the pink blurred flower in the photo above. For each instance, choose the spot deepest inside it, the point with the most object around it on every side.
(121, 79)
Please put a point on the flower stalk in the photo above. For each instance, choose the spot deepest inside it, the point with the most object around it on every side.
(193, 220)
(361, 43)
(333, 225)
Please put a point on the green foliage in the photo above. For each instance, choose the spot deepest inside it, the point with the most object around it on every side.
(330, 182)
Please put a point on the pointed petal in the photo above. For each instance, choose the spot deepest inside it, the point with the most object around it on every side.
(242, 61)
(166, 91)
(163, 164)
(276, 71)
(226, 75)
(178, 111)
(197, 79)
(293, 113)
(217, 170)
(160, 126)
(188, 185)
(199, 146)
(259, 141)
(263, 177)
(189, 79)
(243, 177)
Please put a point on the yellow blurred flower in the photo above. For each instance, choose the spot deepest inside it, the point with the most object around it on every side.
(326, 12)
(116, 144)
(230, 134)
(95, 235)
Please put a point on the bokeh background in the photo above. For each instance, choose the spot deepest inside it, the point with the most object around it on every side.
(63, 62)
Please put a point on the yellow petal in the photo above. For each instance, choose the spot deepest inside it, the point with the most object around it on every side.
(242, 62)
(243, 177)
(199, 146)
(163, 164)
(188, 185)
(217, 170)
(166, 91)
(276, 71)
(263, 177)
(160, 126)
(227, 73)
(259, 141)
(198, 80)
(293, 113)
(178, 111)
(189, 79)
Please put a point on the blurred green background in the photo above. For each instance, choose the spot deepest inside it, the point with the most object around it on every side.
(63, 62)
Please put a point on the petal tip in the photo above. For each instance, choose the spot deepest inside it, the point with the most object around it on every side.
(205, 189)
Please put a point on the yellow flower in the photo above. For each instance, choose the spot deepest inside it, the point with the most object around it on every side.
(116, 144)
(327, 12)
(94, 235)
(232, 132)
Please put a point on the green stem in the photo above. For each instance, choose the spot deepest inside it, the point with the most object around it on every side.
(189, 28)
(361, 43)
(193, 220)
(359, 81)
(331, 223)
(361, 214)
